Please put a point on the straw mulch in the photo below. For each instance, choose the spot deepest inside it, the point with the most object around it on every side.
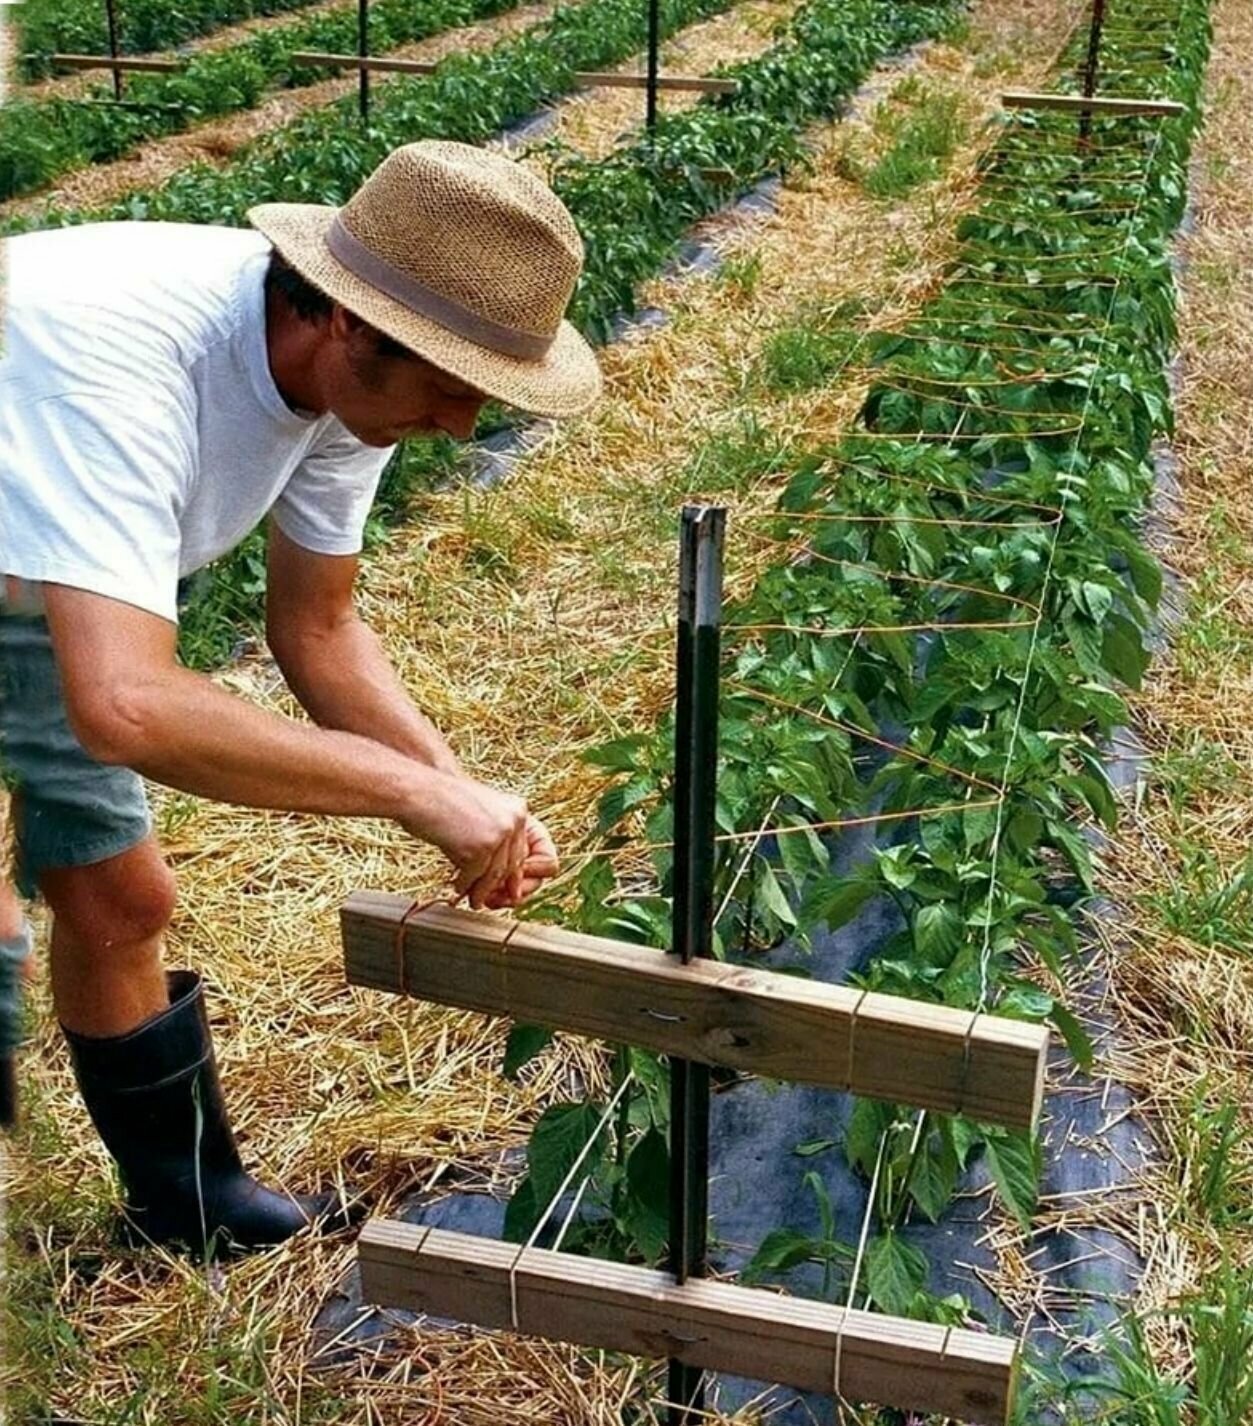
(1187, 1005)
(531, 621)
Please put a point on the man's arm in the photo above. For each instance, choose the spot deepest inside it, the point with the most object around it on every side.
(332, 661)
(130, 703)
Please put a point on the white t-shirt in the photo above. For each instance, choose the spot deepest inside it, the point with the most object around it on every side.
(141, 432)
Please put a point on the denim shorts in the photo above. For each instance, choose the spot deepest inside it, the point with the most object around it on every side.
(69, 810)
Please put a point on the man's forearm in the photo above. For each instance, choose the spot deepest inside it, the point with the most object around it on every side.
(344, 680)
(185, 732)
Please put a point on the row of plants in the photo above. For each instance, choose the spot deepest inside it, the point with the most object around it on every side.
(1001, 467)
(44, 138)
(49, 27)
(631, 208)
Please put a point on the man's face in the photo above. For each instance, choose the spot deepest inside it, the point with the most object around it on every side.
(382, 399)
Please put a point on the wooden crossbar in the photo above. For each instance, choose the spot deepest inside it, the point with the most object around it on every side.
(1093, 104)
(588, 79)
(913, 1366)
(125, 63)
(371, 63)
(692, 84)
(885, 1047)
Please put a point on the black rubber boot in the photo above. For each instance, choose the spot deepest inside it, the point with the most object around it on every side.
(155, 1097)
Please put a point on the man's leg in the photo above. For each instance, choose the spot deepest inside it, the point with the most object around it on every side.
(110, 920)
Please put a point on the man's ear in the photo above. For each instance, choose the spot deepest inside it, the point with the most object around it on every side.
(344, 324)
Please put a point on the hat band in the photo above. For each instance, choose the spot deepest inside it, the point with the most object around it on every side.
(362, 262)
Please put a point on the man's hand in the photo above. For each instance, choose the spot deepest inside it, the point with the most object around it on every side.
(541, 863)
(489, 836)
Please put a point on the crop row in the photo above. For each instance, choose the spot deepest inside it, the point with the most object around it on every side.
(973, 591)
(50, 27)
(41, 139)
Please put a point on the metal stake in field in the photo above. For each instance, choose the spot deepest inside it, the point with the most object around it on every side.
(363, 52)
(110, 10)
(654, 61)
(1090, 68)
(695, 785)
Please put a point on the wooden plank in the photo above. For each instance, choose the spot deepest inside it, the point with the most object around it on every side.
(690, 83)
(779, 1026)
(356, 61)
(589, 79)
(1097, 104)
(122, 62)
(912, 1366)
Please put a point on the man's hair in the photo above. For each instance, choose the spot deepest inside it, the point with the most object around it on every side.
(311, 304)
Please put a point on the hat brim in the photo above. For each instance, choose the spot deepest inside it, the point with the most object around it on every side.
(566, 382)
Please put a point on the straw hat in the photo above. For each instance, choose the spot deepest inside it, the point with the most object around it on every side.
(462, 256)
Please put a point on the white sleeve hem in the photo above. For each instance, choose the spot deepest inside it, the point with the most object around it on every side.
(314, 542)
(96, 581)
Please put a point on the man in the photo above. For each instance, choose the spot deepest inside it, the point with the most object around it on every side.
(165, 387)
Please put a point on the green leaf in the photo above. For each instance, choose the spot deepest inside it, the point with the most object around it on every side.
(619, 755)
(1123, 653)
(522, 1214)
(1014, 1160)
(1078, 1042)
(524, 1043)
(934, 1177)
(812, 1147)
(781, 1249)
(867, 1124)
(895, 1271)
(557, 1141)
(648, 1189)
(835, 902)
(771, 896)
(937, 932)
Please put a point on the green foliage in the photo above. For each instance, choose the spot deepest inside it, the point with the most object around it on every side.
(80, 27)
(1132, 1389)
(975, 591)
(920, 137)
(1208, 903)
(44, 138)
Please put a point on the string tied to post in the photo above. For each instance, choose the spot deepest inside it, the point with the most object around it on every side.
(837, 1381)
(627, 1081)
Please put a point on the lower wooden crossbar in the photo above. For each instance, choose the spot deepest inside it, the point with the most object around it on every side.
(779, 1026)
(715, 1326)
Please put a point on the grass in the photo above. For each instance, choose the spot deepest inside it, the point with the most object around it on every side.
(917, 128)
(1207, 903)
(1216, 1168)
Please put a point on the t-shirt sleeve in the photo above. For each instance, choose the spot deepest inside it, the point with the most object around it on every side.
(326, 502)
(103, 478)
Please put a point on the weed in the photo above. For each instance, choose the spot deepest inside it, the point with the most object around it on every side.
(1215, 1165)
(921, 127)
(803, 355)
(1187, 771)
(740, 274)
(1209, 905)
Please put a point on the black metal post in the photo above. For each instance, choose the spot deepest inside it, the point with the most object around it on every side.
(1090, 68)
(110, 10)
(695, 788)
(654, 61)
(363, 49)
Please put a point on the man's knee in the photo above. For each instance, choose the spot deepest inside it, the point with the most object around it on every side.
(121, 901)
